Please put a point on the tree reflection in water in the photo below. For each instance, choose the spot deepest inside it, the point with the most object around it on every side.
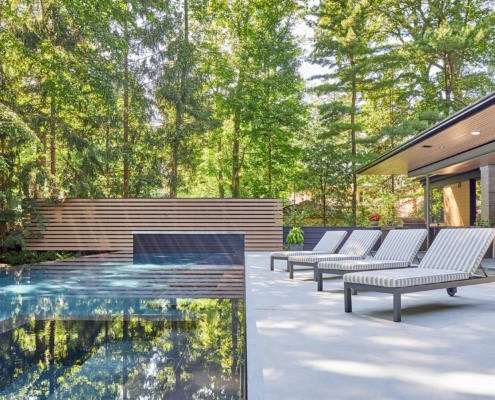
(195, 352)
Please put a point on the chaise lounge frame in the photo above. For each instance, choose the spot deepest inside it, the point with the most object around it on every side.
(407, 253)
(457, 251)
(451, 287)
(372, 238)
(329, 238)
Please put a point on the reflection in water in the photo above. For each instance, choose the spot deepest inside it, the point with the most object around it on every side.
(194, 350)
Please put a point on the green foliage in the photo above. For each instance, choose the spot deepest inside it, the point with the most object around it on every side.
(395, 69)
(485, 223)
(295, 236)
(30, 257)
(187, 333)
(295, 215)
(194, 98)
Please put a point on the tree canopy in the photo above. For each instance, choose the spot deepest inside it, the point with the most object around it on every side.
(204, 98)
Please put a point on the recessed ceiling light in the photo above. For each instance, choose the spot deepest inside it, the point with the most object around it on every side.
(426, 146)
(475, 133)
(441, 147)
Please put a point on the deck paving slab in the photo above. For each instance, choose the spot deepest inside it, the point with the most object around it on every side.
(302, 345)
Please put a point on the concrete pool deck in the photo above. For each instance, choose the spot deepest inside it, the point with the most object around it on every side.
(302, 345)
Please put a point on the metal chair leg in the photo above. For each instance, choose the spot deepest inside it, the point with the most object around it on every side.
(348, 299)
(319, 278)
(397, 307)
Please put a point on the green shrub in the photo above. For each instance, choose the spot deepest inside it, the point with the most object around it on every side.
(295, 236)
(31, 257)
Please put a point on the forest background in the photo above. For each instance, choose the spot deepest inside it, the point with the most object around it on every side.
(205, 98)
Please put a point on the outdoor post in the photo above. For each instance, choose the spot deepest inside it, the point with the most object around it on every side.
(427, 210)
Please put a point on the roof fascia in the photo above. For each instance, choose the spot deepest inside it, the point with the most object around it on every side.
(457, 159)
(460, 115)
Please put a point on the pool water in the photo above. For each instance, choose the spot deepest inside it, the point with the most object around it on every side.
(120, 331)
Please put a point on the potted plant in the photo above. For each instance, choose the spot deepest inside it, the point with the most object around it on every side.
(374, 219)
(295, 239)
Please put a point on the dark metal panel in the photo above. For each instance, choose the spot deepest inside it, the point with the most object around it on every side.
(313, 234)
(200, 248)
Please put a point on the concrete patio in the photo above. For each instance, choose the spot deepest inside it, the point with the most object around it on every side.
(302, 345)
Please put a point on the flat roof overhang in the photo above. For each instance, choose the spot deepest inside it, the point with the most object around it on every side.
(446, 148)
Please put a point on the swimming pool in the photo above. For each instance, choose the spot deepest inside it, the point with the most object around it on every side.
(104, 328)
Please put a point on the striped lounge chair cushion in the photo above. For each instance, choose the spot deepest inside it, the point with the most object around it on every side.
(404, 277)
(287, 254)
(356, 247)
(458, 250)
(360, 242)
(330, 241)
(401, 244)
(328, 244)
(362, 265)
(313, 259)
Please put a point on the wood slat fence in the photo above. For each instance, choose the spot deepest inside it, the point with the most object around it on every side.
(107, 224)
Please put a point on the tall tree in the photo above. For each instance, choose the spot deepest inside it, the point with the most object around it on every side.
(181, 98)
(261, 92)
(344, 42)
(445, 48)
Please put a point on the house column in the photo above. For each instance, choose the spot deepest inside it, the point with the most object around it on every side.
(427, 210)
(488, 193)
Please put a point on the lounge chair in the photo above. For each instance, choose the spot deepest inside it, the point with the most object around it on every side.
(328, 244)
(398, 250)
(451, 261)
(356, 247)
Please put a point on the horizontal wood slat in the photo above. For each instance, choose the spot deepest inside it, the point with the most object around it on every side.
(107, 224)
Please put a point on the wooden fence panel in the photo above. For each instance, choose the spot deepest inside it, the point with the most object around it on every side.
(107, 224)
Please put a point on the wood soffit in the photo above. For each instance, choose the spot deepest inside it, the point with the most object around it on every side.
(453, 149)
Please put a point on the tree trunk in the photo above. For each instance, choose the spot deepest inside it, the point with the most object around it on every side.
(4, 184)
(235, 328)
(268, 108)
(175, 153)
(186, 21)
(178, 111)
(42, 136)
(221, 190)
(451, 80)
(42, 157)
(52, 137)
(324, 196)
(51, 350)
(235, 159)
(270, 166)
(353, 150)
(107, 161)
(126, 117)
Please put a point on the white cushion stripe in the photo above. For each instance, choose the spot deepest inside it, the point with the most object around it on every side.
(358, 245)
(327, 244)
(323, 257)
(458, 249)
(401, 245)
(360, 265)
(330, 241)
(360, 242)
(404, 277)
(287, 254)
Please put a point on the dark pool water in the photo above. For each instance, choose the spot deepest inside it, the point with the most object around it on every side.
(58, 340)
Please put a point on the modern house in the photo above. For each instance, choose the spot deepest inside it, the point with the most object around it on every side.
(457, 155)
